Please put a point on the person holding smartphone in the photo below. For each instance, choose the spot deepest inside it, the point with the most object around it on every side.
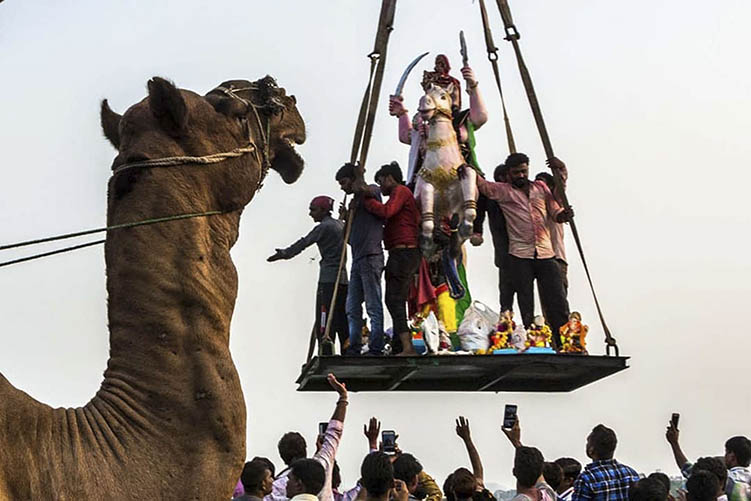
(292, 448)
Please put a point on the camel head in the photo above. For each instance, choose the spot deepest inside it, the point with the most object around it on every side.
(436, 101)
(172, 122)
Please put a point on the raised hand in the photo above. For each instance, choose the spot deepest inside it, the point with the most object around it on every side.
(340, 388)
(469, 77)
(371, 431)
(400, 490)
(396, 106)
(555, 163)
(462, 428)
(514, 435)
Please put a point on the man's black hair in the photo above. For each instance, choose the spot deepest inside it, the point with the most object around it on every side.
(347, 170)
(603, 441)
(377, 474)
(500, 172)
(311, 475)
(713, 465)
(553, 474)
(268, 462)
(292, 446)
(463, 484)
(528, 463)
(741, 447)
(647, 489)
(392, 170)
(663, 479)
(253, 474)
(547, 178)
(448, 488)
(406, 468)
(571, 467)
(702, 486)
(515, 159)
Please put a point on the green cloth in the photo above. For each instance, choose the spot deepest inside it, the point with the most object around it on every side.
(471, 143)
(463, 303)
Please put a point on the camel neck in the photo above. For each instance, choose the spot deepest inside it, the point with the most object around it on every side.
(171, 292)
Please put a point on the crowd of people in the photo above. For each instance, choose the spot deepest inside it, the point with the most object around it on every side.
(400, 476)
(525, 221)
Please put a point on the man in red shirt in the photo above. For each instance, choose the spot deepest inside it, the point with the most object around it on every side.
(400, 237)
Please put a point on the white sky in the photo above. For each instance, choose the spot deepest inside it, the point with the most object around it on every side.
(647, 102)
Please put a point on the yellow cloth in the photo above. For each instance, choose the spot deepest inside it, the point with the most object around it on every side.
(447, 311)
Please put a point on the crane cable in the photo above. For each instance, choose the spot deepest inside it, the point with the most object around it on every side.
(363, 134)
(512, 35)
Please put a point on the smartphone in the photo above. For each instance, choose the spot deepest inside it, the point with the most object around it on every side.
(388, 439)
(674, 420)
(322, 428)
(509, 416)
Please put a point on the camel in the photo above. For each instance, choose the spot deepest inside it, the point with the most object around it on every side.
(168, 421)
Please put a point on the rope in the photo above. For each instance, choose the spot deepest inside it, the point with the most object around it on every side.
(95, 230)
(493, 58)
(512, 35)
(182, 160)
(51, 253)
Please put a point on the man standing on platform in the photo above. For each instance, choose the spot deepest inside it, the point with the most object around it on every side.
(401, 240)
(328, 234)
(365, 239)
(526, 206)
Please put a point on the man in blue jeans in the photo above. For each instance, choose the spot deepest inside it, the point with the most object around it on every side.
(367, 264)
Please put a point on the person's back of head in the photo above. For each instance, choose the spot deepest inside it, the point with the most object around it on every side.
(391, 169)
(601, 443)
(268, 463)
(528, 464)
(546, 178)
(292, 447)
(253, 476)
(377, 474)
(740, 448)
(702, 486)
(308, 474)
(647, 489)
(713, 465)
(553, 475)
(499, 174)
(406, 469)
(448, 488)
(463, 484)
(571, 469)
(663, 479)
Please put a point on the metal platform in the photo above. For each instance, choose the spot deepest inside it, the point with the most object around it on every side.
(495, 373)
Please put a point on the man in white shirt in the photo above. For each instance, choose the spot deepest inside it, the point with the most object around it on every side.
(292, 448)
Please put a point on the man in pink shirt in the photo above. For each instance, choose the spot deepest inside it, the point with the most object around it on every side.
(527, 205)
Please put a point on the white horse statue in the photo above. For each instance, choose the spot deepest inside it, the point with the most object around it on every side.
(435, 156)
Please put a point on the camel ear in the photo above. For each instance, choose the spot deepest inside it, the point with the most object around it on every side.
(110, 124)
(168, 106)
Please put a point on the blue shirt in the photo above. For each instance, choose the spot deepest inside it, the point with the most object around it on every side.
(366, 234)
(605, 480)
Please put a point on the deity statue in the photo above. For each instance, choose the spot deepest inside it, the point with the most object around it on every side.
(574, 334)
(500, 339)
(539, 334)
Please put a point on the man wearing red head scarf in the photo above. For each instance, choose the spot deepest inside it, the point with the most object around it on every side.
(328, 235)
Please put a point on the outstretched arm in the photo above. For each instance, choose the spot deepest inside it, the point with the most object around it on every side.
(514, 435)
(462, 429)
(297, 247)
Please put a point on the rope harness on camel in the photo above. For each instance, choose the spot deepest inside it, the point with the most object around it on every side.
(262, 156)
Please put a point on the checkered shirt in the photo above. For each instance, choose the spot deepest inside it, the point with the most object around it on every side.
(606, 480)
